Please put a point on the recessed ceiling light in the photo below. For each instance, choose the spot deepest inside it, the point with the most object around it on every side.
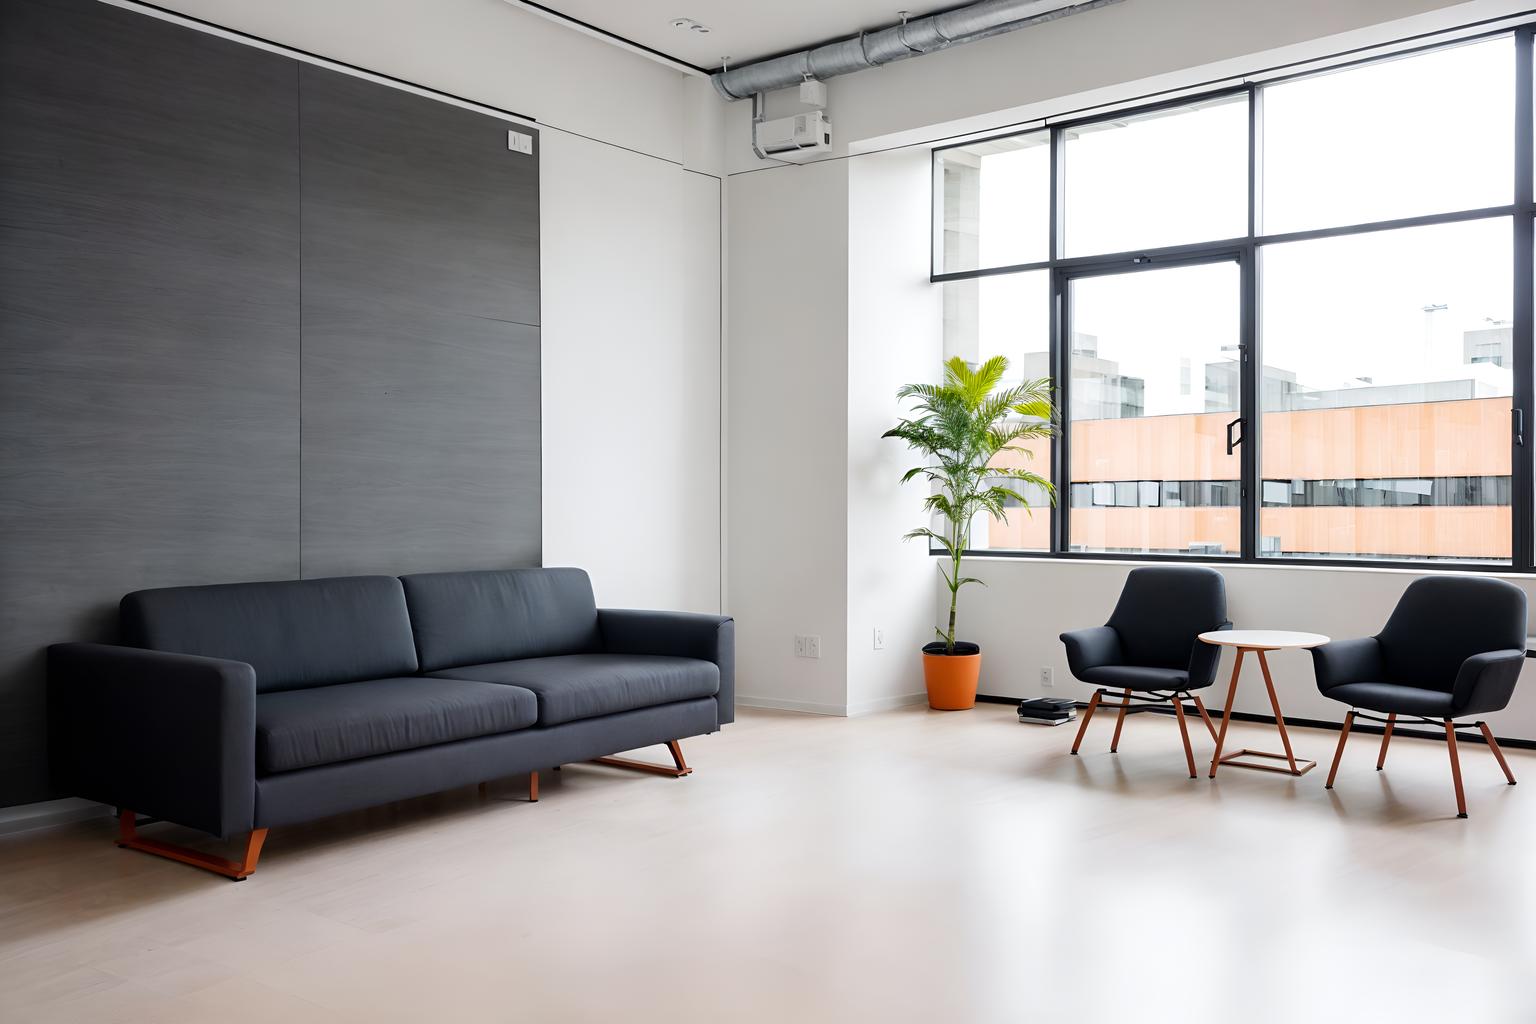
(690, 25)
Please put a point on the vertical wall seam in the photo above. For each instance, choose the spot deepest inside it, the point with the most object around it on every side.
(298, 128)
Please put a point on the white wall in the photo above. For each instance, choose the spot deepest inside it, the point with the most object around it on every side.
(631, 246)
(631, 374)
(780, 231)
(787, 434)
(891, 341)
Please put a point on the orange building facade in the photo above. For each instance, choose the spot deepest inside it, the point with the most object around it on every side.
(1413, 480)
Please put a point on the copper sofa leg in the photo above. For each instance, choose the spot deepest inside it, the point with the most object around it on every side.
(1498, 754)
(1450, 743)
(128, 838)
(1338, 753)
(533, 787)
(1386, 737)
(1114, 744)
(1093, 705)
(673, 747)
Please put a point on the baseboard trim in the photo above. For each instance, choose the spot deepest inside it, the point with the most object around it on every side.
(49, 814)
(1315, 723)
(878, 704)
(804, 707)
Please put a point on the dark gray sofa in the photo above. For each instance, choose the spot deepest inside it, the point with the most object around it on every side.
(237, 708)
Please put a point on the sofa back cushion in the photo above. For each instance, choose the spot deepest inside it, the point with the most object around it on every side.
(469, 618)
(296, 633)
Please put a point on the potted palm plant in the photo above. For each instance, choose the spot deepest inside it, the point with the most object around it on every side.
(959, 427)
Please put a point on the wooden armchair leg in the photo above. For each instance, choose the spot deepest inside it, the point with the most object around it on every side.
(1205, 717)
(1338, 753)
(128, 838)
(1386, 737)
(1114, 744)
(1189, 754)
(1450, 743)
(1093, 705)
(1498, 754)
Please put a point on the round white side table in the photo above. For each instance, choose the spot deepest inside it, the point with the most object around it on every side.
(1259, 641)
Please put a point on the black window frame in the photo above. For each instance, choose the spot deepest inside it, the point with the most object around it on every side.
(1246, 251)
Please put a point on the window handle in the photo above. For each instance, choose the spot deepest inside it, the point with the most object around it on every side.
(1231, 444)
(1519, 427)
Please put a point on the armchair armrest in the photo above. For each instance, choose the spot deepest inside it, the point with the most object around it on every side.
(1347, 661)
(680, 635)
(1091, 648)
(1204, 659)
(1486, 681)
(169, 735)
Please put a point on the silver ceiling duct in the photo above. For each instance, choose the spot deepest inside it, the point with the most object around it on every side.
(909, 39)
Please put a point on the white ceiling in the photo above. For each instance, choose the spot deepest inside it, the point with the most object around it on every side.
(743, 30)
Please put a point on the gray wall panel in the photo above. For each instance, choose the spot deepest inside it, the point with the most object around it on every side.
(148, 330)
(421, 345)
(240, 340)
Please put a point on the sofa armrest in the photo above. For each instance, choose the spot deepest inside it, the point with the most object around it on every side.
(1204, 659)
(1486, 681)
(1347, 661)
(680, 635)
(168, 735)
(1091, 648)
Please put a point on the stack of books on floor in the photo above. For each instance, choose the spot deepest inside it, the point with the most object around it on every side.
(1047, 710)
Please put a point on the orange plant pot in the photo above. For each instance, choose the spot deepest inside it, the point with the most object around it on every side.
(951, 680)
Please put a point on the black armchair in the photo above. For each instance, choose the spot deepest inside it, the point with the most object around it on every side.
(1452, 648)
(1150, 650)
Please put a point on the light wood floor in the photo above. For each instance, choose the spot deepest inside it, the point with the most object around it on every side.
(910, 866)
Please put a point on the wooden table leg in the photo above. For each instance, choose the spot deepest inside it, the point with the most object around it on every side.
(1274, 702)
(1292, 766)
(1226, 714)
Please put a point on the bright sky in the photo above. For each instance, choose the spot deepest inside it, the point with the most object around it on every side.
(1423, 134)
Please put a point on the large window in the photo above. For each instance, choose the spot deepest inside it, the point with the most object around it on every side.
(1151, 389)
(1289, 322)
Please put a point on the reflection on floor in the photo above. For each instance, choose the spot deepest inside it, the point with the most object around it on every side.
(909, 866)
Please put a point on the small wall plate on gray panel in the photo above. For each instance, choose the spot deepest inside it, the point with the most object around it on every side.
(149, 277)
(421, 341)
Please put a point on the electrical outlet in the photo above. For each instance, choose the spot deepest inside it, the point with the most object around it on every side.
(879, 639)
(799, 646)
(813, 647)
(1047, 677)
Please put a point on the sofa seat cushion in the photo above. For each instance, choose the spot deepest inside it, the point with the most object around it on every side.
(326, 724)
(577, 686)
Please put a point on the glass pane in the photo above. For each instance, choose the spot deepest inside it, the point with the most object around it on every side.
(996, 203)
(1428, 133)
(1011, 316)
(1154, 383)
(1386, 395)
(1164, 178)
